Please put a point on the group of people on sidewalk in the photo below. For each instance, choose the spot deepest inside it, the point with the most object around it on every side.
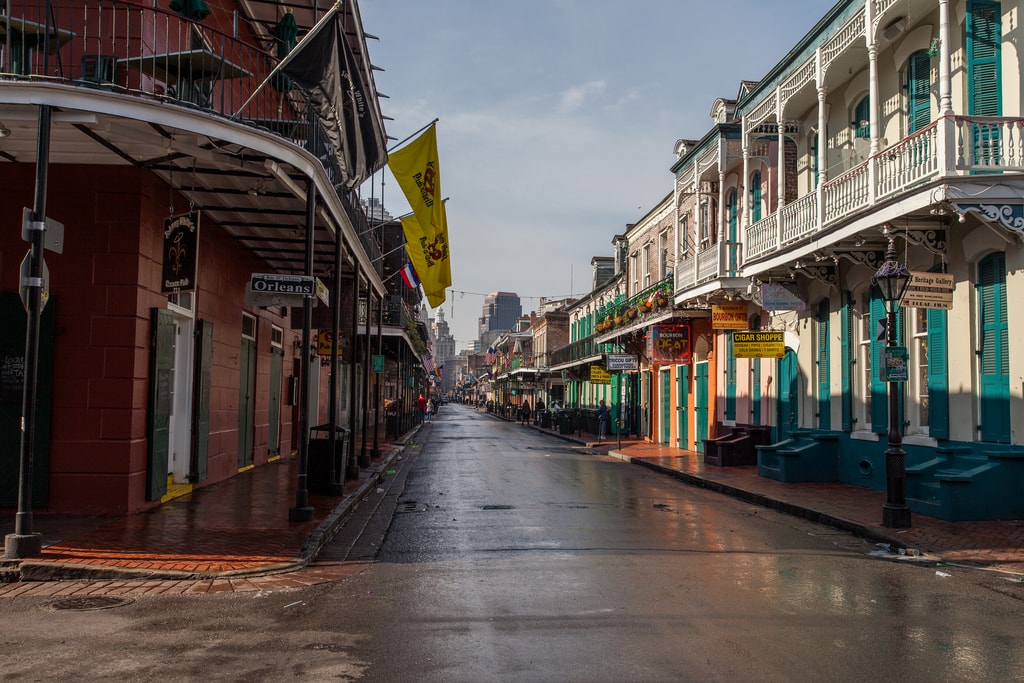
(426, 408)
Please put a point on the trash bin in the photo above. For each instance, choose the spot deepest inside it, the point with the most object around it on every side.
(565, 422)
(318, 467)
(545, 419)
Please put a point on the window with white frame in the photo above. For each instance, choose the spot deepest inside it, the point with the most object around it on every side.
(634, 267)
(705, 223)
(865, 329)
(182, 302)
(647, 265)
(684, 234)
(665, 252)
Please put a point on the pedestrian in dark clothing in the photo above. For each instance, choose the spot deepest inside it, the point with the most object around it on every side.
(524, 412)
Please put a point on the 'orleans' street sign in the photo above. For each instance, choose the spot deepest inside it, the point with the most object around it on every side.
(271, 289)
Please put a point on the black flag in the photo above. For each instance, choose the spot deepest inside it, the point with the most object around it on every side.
(324, 66)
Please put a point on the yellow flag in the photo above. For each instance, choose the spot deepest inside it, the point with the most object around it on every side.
(418, 173)
(430, 257)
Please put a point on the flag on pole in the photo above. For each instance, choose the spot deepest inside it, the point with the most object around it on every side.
(409, 276)
(344, 102)
(418, 173)
(428, 364)
(430, 257)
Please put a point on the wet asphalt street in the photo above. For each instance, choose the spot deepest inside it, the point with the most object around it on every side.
(497, 553)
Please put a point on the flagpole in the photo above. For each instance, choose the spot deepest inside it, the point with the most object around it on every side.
(410, 137)
(291, 54)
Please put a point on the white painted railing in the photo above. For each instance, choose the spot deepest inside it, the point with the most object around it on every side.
(763, 237)
(845, 194)
(988, 143)
(799, 218)
(906, 163)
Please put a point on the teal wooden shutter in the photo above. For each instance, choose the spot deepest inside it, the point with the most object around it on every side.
(984, 79)
(995, 361)
(683, 401)
(161, 383)
(938, 376)
(733, 210)
(755, 393)
(862, 118)
(755, 197)
(984, 36)
(824, 377)
(201, 401)
(730, 379)
(879, 393)
(846, 360)
(919, 98)
(755, 380)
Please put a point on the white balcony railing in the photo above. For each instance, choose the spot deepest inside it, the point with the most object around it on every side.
(716, 261)
(976, 145)
(989, 143)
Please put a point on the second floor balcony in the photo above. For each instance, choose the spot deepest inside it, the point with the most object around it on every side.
(189, 100)
(952, 147)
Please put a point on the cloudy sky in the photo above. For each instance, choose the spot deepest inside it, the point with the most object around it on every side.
(558, 119)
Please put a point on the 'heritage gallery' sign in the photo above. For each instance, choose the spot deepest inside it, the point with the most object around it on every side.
(669, 344)
(181, 253)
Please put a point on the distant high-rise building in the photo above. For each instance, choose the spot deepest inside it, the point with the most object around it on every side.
(500, 312)
(444, 349)
(374, 209)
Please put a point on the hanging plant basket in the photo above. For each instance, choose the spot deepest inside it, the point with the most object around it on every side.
(631, 313)
(619, 320)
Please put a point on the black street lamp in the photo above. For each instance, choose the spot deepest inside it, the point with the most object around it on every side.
(893, 279)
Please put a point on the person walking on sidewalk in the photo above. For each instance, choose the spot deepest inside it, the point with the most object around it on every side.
(524, 412)
(421, 405)
(602, 420)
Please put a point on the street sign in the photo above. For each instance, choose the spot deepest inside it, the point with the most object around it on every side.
(53, 237)
(617, 362)
(271, 289)
(377, 363)
(894, 364)
(273, 283)
(599, 375)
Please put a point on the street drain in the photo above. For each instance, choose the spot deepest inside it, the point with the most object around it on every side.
(89, 603)
(412, 506)
(498, 507)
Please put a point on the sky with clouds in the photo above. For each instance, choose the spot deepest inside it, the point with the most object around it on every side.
(557, 120)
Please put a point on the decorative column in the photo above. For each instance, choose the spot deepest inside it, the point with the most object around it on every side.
(947, 123)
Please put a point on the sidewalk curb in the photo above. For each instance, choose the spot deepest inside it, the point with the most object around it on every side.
(32, 570)
(817, 516)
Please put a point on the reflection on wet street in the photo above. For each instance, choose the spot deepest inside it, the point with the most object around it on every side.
(516, 556)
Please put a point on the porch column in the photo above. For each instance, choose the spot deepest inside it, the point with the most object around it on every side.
(947, 123)
(745, 189)
(822, 152)
(873, 116)
(721, 203)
